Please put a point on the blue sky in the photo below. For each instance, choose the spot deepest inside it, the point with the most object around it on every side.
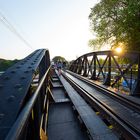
(62, 26)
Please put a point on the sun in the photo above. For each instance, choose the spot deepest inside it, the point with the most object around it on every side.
(118, 49)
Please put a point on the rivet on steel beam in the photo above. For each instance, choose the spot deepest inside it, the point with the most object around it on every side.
(11, 98)
(33, 71)
(18, 67)
(29, 67)
(26, 71)
(23, 77)
(13, 71)
(22, 63)
(6, 77)
(1, 115)
(1, 86)
(18, 86)
(32, 63)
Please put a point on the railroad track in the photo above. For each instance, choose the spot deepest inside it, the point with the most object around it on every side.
(122, 113)
(135, 105)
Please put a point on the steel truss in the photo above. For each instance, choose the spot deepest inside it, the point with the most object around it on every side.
(103, 63)
(23, 106)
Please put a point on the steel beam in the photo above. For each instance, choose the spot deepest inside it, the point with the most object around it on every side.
(93, 77)
(14, 88)
(88, 69)
(136, 87)
(107, 80)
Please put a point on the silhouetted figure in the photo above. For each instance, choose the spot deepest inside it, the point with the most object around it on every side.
(64, 65)
(59, 66)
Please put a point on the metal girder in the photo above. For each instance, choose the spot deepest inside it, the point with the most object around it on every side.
(14, 87)
(107, 80)
(93, 76)
(136, 87)
(85, 63)
(90, 68)
(79, 66)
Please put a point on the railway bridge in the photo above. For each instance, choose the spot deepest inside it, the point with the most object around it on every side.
(96, 97)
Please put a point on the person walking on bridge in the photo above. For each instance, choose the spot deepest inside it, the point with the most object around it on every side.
(59, 67)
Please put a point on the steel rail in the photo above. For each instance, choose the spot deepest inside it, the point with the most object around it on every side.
(130, 132)
(19, 125)
(121, 99)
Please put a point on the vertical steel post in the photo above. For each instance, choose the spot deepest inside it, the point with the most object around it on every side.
(136, 87)
(93, 77)
(79, 66)
(75, 66)
(85, 66)
(131, 78)
(108, 76)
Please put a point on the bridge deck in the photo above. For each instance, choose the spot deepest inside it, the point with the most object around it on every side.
(96, 127)
(58, 91)
(126, 114)
(62, 122)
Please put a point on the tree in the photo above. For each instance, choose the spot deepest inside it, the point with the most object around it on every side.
(5, 64)
(59, 58)
(116, 22)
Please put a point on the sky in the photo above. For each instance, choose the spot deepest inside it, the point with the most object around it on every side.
(62, 26)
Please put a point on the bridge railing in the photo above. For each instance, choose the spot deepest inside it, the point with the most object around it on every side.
(24, 100)
(121, 70)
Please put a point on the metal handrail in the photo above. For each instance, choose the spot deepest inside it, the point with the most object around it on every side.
(19, 125)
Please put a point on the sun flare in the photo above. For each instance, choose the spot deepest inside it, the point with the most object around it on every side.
(118, 50)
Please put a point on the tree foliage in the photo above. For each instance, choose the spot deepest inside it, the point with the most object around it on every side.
(116, 21)
(5, 64)
(59, 58)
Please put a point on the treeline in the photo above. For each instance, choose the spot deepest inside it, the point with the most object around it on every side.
(5, 64)
(116, 23)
